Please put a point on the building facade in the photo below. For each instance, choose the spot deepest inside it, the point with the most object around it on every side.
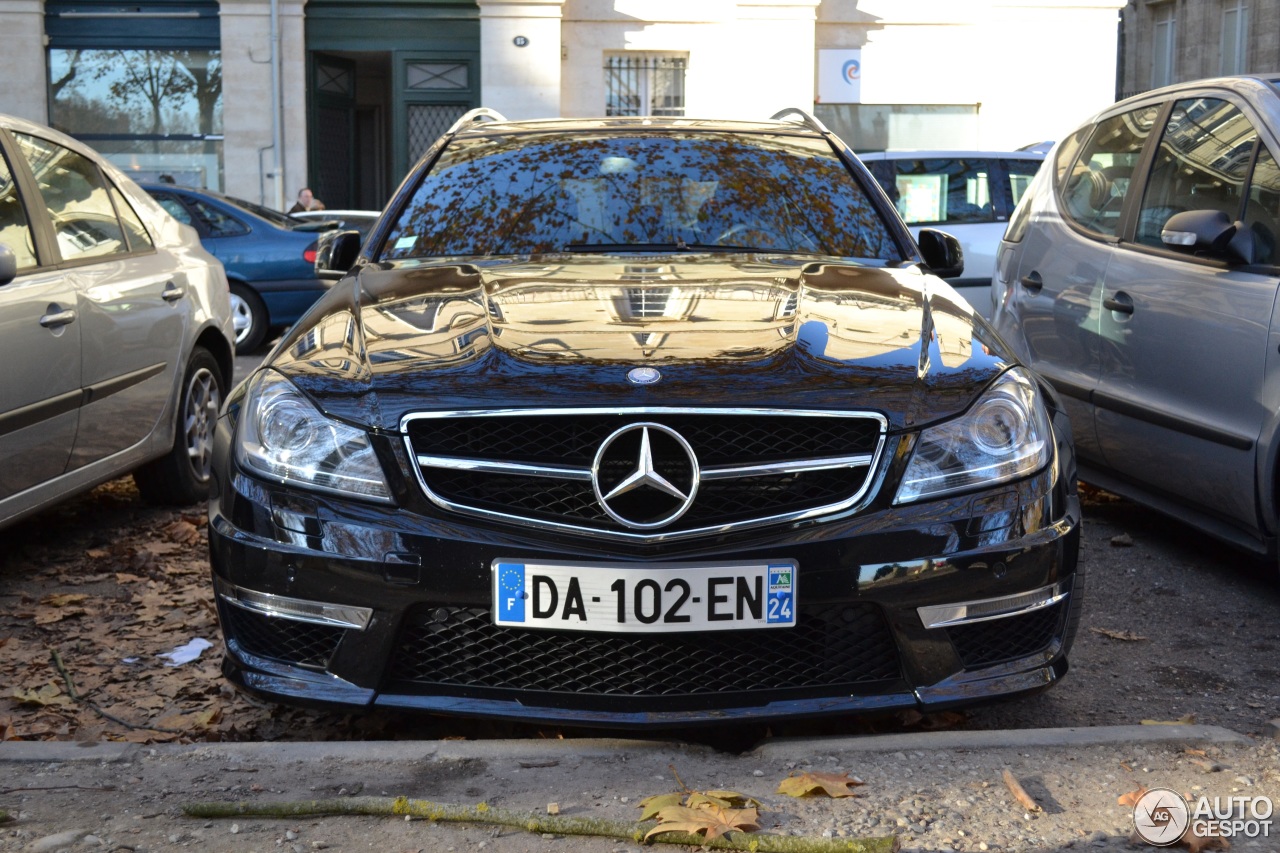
(1171, 41)
(259, 98)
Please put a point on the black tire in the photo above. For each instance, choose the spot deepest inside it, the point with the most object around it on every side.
(249, 314)
(181, 476)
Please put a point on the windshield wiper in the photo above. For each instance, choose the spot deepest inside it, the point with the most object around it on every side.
(679, 246)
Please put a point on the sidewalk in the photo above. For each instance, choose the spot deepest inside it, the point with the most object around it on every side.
(935, 791)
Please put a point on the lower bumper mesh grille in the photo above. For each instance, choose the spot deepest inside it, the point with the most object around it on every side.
(834, 647)
(999, 640)
(285, 640)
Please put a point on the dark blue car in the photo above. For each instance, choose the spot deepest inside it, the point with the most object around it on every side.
(269, 258)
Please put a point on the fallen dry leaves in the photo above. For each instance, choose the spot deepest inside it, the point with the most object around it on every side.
(1127, 636)
(1019, 793)
(1131, 799)
(1188, 720)
(707, 813)
(707, 820)
(806, 784)
(109, 584)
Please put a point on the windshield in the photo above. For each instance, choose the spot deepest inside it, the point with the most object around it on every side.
(554, 192)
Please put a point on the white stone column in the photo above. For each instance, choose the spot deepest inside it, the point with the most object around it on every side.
(22, 63)
(247, 148)
(520, 57)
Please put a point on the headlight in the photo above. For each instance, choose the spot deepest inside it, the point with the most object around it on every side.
(1004, 436)
(281, 435)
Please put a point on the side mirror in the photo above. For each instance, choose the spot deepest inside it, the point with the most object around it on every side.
(1207, 232)
(8, 265)
(336, 253)
(941, 253)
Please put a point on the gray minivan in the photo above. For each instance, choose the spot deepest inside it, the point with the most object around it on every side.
(1140, 276)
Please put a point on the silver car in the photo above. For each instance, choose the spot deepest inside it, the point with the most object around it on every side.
(116, 331)
(1140, 276)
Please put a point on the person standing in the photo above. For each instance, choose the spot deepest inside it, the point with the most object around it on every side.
(306, 201)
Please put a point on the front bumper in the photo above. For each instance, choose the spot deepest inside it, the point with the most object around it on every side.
(428, 642)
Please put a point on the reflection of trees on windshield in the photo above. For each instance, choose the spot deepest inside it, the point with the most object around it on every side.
(136, 91)
(518, 195)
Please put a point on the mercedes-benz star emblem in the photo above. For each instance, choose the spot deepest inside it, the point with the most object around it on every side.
(643, 375)
(645, 475)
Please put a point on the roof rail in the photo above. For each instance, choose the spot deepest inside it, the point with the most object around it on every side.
(803, 117)
(473, 116)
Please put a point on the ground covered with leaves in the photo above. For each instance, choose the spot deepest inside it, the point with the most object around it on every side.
(93, 594)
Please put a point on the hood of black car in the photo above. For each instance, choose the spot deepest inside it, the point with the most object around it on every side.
(721, 331)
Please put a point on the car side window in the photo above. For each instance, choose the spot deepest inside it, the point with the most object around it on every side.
(175, 208)
(77, 199)
(219, 224)
(1020, 173)
(139, 239)
(1262, 209)
(1067, 151)
(937, 190)
(15, 231)
(1094, 189)
(1201, 164)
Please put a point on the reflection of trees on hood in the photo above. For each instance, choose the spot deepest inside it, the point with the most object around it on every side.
(518, 195)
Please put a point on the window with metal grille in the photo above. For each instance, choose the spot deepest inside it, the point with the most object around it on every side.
(427, 122)
(645, 84)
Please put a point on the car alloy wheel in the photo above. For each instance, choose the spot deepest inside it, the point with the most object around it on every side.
(249, 318)
(199, 419)
(241, 317)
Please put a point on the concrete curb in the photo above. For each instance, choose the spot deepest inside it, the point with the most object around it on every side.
(419, 751)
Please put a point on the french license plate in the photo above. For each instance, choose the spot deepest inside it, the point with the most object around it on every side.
(668, 597)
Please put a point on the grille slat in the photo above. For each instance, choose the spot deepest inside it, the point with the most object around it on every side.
(574, 439)
(832, 647)
(718, 440)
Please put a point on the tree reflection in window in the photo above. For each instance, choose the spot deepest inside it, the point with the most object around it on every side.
(136, 92)
(550, 192)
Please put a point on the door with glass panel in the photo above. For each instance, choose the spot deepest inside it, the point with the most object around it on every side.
(130, 314)
(40, 341)
(1185, 338)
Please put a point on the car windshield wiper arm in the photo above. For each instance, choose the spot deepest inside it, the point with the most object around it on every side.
(679, 246)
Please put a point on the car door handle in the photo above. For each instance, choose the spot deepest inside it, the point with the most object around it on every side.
(56, 319)
(1032, 282)
(172, 293)
(1121, 303)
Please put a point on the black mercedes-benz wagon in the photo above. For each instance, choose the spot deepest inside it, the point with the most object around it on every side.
(643, 422)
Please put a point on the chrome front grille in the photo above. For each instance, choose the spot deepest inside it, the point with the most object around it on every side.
(552, 468)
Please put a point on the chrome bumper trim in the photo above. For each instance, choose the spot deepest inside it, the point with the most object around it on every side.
(986, 609)
(297, 609)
